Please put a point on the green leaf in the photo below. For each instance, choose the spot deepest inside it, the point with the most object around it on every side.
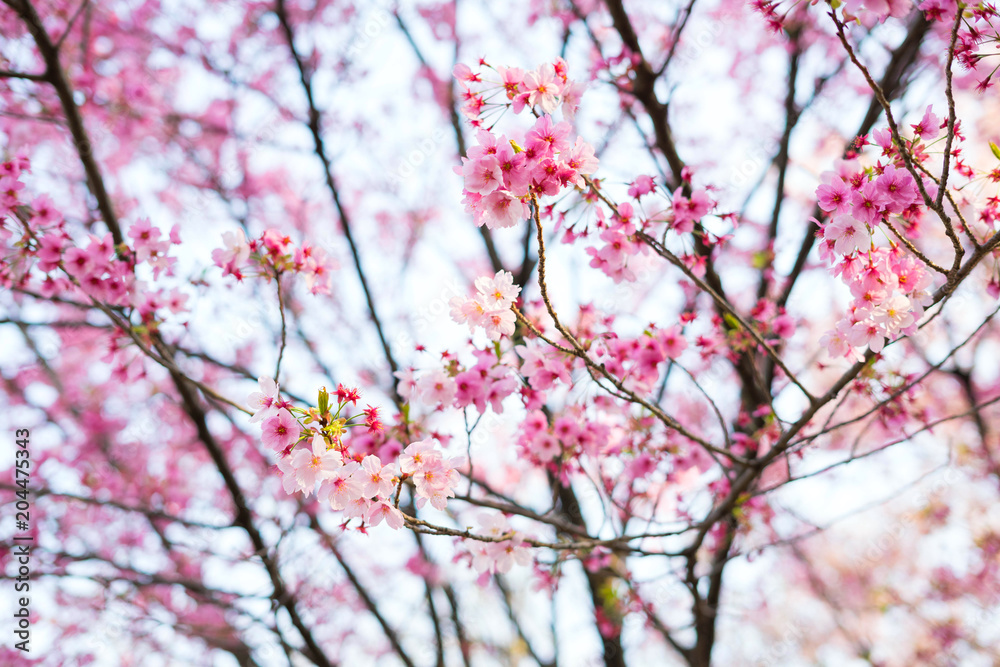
(324, 401)
(995, 149)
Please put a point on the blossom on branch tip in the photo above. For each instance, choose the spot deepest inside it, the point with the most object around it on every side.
(263, 402)
(498, 557)
(234, 254)
(542, 88)
(434, 477)
(345, 395)
(381, 509)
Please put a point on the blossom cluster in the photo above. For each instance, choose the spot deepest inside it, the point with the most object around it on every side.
(486, 382)
(490, 307)
(618, 243)
(568, 435)
(315, 458)
(502, 174)
(547, 87)
(498, 556)
(889, 284)
(637, 360)
(272, 254)
(44, 257)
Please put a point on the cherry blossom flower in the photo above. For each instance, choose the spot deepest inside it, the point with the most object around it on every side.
(837, 344)
(497, 557)
(834, 197)
(482, 175)
(547, 138)
(511, 78)
(498, 323)
(867, 204)
(543, 88)
(281, 431)
(146, 240)
(894, 313)
(467, 311)
(372, 420)
(500, 210)
(415, 455)
(867, 332)
(381, 509)
(347, 395)
(498, 291)
(310, 465)
(263, 402)
(642, 185)
(376, 479)
(687, 211)
(233, 255)
(516, 175)
(436, 388)
(434, 477)
(929, 126)
(341, 487)
(848, 234)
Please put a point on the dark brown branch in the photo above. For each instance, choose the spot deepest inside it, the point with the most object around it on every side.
(643, 88)
(281, 595)
(463, 642)
(360, 589)
(54, 75)
(781, 161)
(518, 628)
(149, 512)
(569, 506)
(7, 74)
(456, 125)
(313, 124)
(893, 83)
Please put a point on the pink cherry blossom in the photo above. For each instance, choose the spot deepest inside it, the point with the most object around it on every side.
(849, 235)
(311, 465)
(234, 254)
(436, 388)
(381, 509)
(483, 175)
(500, 210)
(281, 430)
(498, 292)
(264, 402)
(542, 88)
(376, 479)
(341, 487)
